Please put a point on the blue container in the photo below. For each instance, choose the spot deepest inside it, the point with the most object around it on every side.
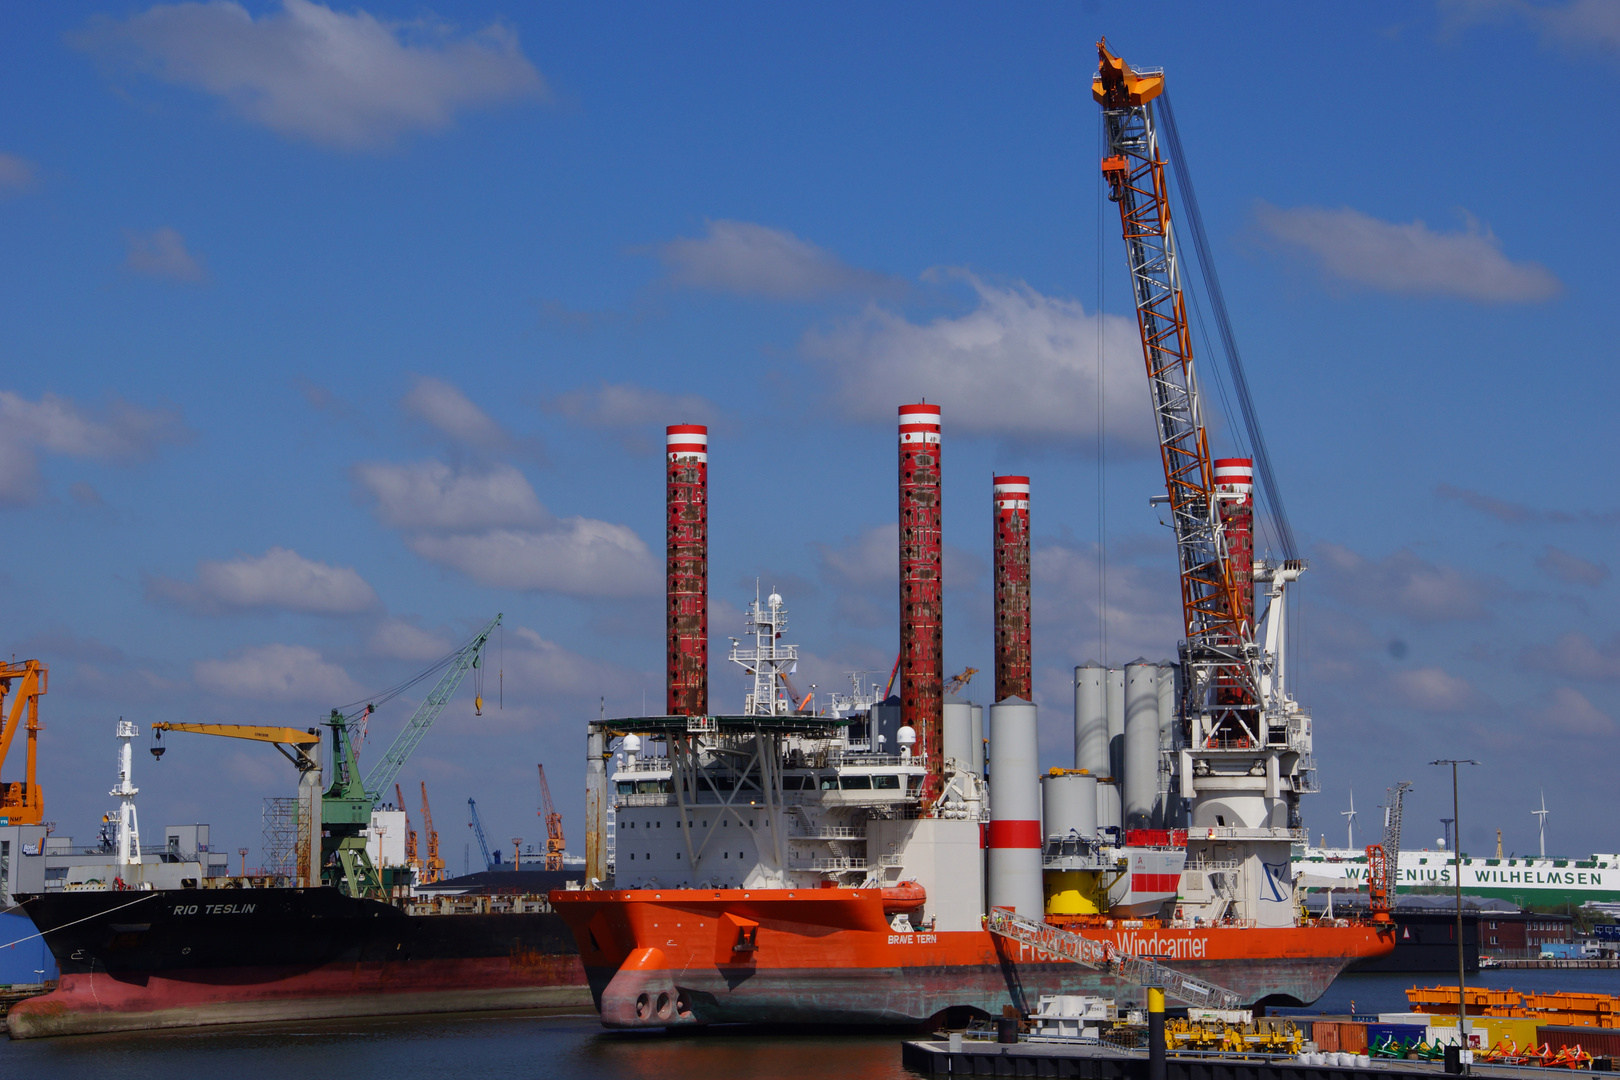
(24, 956)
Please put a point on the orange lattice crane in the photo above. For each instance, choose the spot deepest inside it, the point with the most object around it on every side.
(410, 834)
(432, 866)
(554, 832)
(20, 801)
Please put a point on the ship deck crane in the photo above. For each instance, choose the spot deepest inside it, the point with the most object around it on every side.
(21, 802)
(1102, 956)
(432, 865)
(554, 829)
(478, 831)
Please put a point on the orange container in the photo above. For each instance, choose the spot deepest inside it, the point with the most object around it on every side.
(1325, 1034)
(1352, 1038)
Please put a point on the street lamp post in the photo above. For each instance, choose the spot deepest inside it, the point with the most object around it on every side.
(1456, 877)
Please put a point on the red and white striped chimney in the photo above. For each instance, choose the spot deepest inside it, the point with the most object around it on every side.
(687, 555)
(1234, 486)
(1011, 495)
(922, 625)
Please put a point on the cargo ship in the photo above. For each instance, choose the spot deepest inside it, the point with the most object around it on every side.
(1527, 881)
(143, 948)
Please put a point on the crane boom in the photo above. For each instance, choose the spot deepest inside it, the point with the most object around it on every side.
(554, 830)
(21, 802)
(466, 658)
(432, 865)
(478, 831)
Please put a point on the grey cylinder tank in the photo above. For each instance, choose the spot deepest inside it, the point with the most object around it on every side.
(1116, 723)
(976, 739)
(1141, 744)
(1169, 809)
(1091, 719)
(1015, 809)
(1069, 805)
(956, 741)
(1109, 814)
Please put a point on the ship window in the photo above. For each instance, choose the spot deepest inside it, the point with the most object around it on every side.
(886, 783)
(855, 783)
(677, 856)
(797, 783)
(632, 854)
(627, 787)
(723, 855)
(829, 783)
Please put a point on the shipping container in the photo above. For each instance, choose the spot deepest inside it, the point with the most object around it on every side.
(1353, 1038)
(1409, 1034)
(1325, 1034)
(1599, 1042)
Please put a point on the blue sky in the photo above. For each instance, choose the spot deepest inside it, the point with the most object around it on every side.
(329, 332)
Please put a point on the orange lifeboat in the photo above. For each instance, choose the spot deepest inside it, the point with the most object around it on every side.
(904, 898)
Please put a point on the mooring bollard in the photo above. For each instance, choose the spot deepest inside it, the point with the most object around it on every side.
(1155, 1033)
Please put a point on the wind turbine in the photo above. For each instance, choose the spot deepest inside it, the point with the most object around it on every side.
(1541, 820)
(1350, 823)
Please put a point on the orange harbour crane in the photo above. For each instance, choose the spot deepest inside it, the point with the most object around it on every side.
(410, 834)
(554, 829)
(433, 865)
(21, 802)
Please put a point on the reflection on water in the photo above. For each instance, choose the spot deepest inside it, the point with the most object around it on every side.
(501, 1046)
(566, 1048)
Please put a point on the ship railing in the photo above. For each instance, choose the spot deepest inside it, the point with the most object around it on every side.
(648, 799)
(1232, 832)
(827, 832)
(640, 765)
(887, 862)
(828, 864)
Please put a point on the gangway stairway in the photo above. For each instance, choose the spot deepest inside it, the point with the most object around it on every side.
(1102, 956)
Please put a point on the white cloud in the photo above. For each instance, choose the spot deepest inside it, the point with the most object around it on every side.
(1020, 365)
(397, 639)
(121, 432)
(1405, 583)
(626, 405)
(540, 666)
(432, 495)
(1572, 569)
(1570, 712)
(344, 80)
(446, 408)
(1142, 610)
(16, 175)
(277, 673)
(1434, 690)
(1576, 656)
(868, 561)
(755, 260)
(280, 579)
(576, 556)
(1578, 26)
(162, 253)
(1409, 259)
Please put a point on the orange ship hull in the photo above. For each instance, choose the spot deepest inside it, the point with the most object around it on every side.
(667, 957)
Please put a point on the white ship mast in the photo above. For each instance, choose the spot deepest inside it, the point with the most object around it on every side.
(129, 833)
(768, 662)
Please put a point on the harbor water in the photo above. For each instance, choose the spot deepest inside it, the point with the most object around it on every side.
(571, 1047)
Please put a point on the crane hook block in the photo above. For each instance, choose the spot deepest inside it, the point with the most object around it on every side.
(478, 705)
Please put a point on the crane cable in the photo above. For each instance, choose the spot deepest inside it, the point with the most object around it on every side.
(1223, 325)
